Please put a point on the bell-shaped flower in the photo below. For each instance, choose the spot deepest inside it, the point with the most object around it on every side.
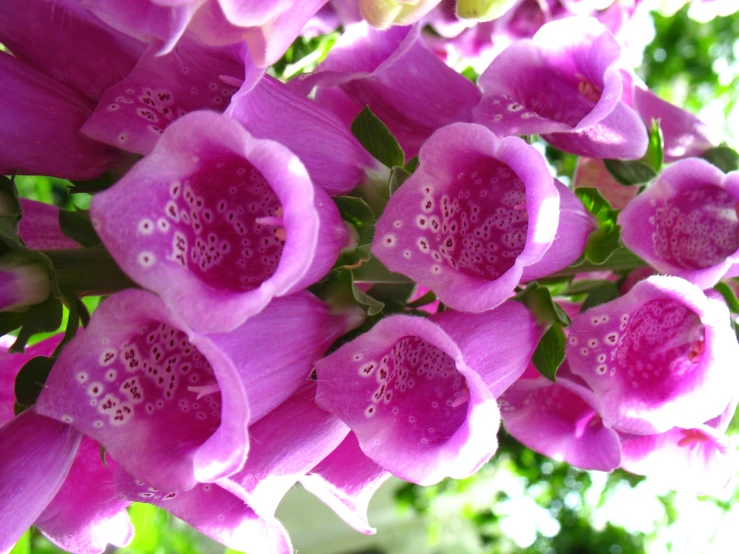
(660, 356)
(345, 481)
(559, 420)
(223, 222)
(686, 223)
(43, 117)
(564, 84)
(285, 444)
(85, 515)
(592, 173)
(419, 393)
(40, 229)
(398, 78)
(23, 282)
(64, 40)
(333, 157)
(479, 214)
(382, 14)
(683, 134)
(36, 456)
(171, 406)
(213, 511)
(134, 113)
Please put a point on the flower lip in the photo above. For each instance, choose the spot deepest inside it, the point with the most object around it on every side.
(476, 212)
(417, 409)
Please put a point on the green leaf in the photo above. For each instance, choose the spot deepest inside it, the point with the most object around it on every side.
(602, 243)
(655, 150)
(398, 176)
(723, 157)
(550, 353)
(603, 293)
(359, 215)
(105, 181)
(41, 318)
(31, 378)
(77, 226)
(538, 299)
(596, 204)
(377, 139)
(632, 172)
(729, 297)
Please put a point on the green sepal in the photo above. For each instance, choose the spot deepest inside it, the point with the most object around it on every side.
(723, 157)
(538, 300)
(41, 318)
(357, 213)
(31, 378)
(601, 294)
(105, 181)
(369, 304)
(10, 216)
(77, 226)
(631, 172)
(655, 149)
(550, 353)
(411, 165)
(398, 176)
(607, 237)
(377, 139)
(729, 297)
(427, 298)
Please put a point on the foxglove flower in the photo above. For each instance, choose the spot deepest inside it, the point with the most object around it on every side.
(39, 228)
(171, 406)
(286, 444)
(592, 173)
(659, 357)
(133, 114)
(268, 28)
(575, 61)
(684, 135)
(333, 157)
(559, 420)
(223, 222)
(85, 515)
(478, 215)
(685, 223)
(700, 459)
(419, 393)
(346, 481)
(382, 14)
(43, 117)
(67, 42)
(23, 282)
(214, 512)
(36, 456)
(398, 78)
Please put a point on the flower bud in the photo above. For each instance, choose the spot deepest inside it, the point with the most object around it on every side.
(23, 283)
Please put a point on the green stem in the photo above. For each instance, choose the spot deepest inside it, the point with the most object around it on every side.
(88, 272)
(621, 260)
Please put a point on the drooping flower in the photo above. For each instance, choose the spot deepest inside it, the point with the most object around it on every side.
(40, 229)
(43, 117)
(268, 28)
(686, 223)
(85, 515)
(382, 14)
(286, 443)
(333, 157)
(223, 222)
(134, 112)
(36, 455)
(700, 459)
(398, 78)
(67, 42)
(213, 511)
(419, 393)
(559, 420)
(592, 173)
(23, 282)
(345, 481)
(659, 357)
(173, 407)
(574, 97)
(479, 214)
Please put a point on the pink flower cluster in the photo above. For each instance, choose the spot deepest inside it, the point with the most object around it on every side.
(242, 362)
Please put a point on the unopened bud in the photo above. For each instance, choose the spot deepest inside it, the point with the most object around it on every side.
(23, 283)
